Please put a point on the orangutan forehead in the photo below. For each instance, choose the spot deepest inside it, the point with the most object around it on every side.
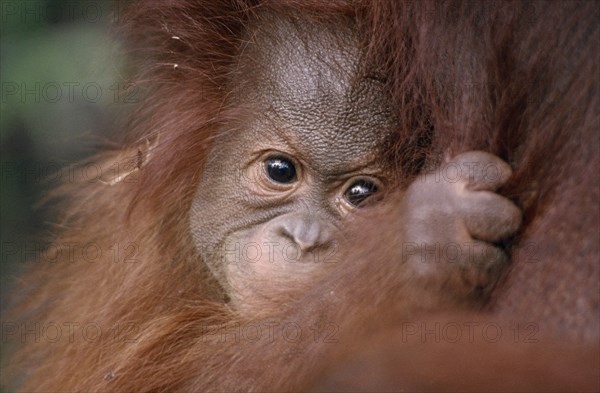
(307, 77)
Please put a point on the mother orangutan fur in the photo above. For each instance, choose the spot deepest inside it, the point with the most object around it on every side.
(517, 80)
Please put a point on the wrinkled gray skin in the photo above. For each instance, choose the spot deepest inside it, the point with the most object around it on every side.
(302, 94)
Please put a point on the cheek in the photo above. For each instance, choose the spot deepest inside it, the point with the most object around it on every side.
(216, 205)
(213, 213)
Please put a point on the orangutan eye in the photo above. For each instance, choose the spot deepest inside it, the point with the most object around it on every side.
(359, 191)
(281, 170)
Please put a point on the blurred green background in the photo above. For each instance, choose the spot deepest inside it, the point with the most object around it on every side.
(60, 79)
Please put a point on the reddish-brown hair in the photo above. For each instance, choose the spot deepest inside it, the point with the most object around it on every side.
(516, 79)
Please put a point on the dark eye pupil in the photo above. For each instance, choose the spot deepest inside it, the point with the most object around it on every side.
(281, 170)
(359, 191)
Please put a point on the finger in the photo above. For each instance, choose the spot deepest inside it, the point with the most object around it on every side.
(480, 170)
(483, 261)
(489, 216)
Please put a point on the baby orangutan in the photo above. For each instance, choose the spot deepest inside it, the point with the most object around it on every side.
(308, 149)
